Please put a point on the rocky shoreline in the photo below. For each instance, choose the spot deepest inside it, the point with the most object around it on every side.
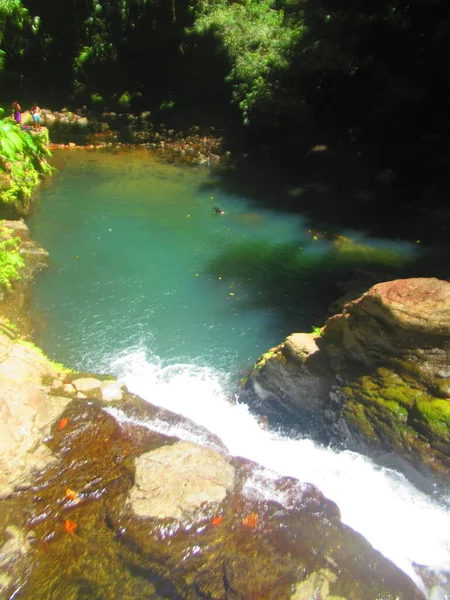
(96, 501)
(200, 145)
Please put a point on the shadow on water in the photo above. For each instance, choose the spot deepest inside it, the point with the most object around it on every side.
(337, 191)
(299, 281)
(355, 226)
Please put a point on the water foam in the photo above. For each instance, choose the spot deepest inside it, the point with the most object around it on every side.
(401, 522)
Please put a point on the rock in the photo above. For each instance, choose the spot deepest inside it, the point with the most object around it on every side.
(26, 412)
(82, 122)
(69, 390)
(295, 365)
(188, 477)
(57, 387)
(49, 119)
(285, 532)
(301, 346)
(102, 127)
(379, 374)
(111, 390)
(406, 317)
(317, 583)
(35, 255)
(89, 386)
(212, 523)
(12, 553)
(18, 228)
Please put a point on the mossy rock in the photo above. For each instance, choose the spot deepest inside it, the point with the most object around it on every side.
(401, 395)
(431, 416)
(356, 416)
(442, 387)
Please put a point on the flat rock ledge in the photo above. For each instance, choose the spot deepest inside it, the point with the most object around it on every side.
(26, 412)
(34, 392)
(176, 481)
(379, 374)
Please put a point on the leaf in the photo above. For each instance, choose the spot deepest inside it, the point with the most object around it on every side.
(63, 422)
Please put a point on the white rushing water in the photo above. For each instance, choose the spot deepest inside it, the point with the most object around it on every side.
(400, 521)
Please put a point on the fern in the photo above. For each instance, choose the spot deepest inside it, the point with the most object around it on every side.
(11, 262)
(23, 158)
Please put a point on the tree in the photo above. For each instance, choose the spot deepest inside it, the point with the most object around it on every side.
(15, 27)
(259, 37)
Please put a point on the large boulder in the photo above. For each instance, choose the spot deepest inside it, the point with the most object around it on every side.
(380, 373)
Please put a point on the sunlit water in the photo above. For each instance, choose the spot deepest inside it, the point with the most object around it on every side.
(148, 283)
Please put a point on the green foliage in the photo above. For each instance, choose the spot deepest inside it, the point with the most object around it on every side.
(124, 100)
(22, 159)
(97, 99)
(105, 27)
(56, 365)
(12, 143)
(10, 260)
(167, 105)
(15, 21)
(258, 38)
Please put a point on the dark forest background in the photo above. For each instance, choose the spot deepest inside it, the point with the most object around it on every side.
(379, 67)
(277, 75)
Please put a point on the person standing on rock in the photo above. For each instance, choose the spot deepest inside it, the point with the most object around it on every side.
(17, 114)
(36, 114)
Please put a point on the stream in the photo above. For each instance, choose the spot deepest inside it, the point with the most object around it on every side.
(149, 283)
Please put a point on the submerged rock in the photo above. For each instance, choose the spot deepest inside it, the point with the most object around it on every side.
(380, 373)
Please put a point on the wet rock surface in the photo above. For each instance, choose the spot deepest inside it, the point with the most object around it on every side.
(380, 375)
(26, 411)
(261, 536)
(114, 509)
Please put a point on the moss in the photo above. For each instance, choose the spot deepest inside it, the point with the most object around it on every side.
(355, 414)
(11, 263)
(368, 383)
(432, 417)
(263, 359)
(57, 366)
(7, 328)
(442, 387)
(243, 382)
(379, 410)
(400, 395)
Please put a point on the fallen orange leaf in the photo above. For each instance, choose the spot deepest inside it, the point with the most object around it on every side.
(217, 520)
(71, 494)
(63, 423)
(251, 520)
(70, 526)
